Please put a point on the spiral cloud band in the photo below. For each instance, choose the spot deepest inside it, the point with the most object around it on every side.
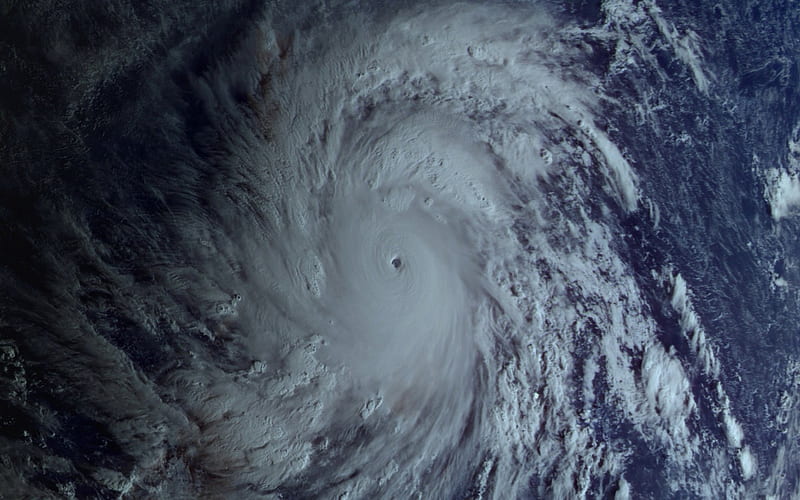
(382, 231)
(372, 253)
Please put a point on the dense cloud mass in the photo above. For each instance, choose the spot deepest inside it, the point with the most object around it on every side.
(418, 250)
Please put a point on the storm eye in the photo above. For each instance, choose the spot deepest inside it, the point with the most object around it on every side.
(396, 262)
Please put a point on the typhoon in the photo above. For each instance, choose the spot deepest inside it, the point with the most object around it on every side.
(396, 250)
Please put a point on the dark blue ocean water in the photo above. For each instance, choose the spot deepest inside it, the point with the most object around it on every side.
(716, 223)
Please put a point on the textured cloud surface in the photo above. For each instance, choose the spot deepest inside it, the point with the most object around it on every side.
(349, 252)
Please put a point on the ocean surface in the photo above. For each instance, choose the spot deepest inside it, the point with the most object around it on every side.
(353, 249)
